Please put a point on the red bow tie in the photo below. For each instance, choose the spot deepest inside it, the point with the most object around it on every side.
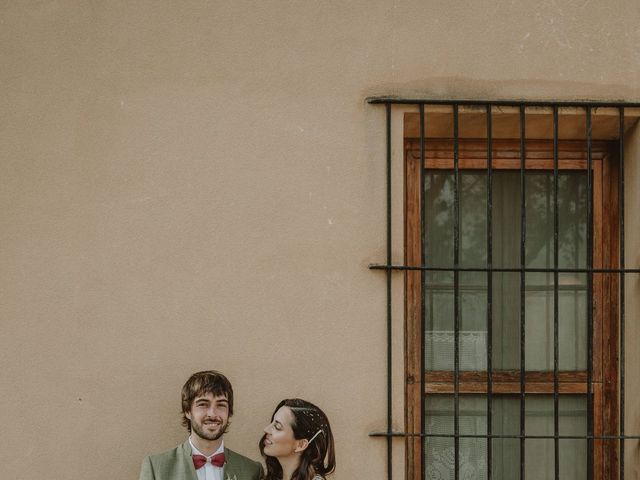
(200, 460)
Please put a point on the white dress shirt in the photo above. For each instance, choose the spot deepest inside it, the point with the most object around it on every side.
(209, 471)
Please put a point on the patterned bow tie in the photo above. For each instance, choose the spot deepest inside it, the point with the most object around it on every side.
(200, 460)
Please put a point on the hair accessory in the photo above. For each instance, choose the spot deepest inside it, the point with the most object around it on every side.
(316, 434)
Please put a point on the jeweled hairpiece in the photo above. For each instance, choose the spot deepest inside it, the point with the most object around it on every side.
(316, 434)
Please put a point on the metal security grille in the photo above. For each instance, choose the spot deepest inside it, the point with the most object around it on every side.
(490, 376)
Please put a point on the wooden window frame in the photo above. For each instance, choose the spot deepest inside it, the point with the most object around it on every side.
(572, 155)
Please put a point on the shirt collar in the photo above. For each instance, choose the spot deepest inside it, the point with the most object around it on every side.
(194, 450)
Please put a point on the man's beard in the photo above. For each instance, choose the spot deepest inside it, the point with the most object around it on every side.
(202, 433)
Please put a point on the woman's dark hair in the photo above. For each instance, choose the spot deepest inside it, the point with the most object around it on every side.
(309, 422)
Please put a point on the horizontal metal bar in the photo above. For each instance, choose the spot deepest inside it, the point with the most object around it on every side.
(539, 437)
(509, 103)
(531, 287)
(379, 266)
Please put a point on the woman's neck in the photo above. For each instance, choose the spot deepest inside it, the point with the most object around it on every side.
(289, 466)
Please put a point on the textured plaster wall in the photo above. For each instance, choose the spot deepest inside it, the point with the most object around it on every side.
(197, 184)
(632, 302)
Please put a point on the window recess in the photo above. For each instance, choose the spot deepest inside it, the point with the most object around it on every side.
(514, 289)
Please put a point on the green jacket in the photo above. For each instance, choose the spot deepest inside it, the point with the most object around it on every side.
(176, 464)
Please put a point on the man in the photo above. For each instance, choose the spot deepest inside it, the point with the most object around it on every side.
(207, 405)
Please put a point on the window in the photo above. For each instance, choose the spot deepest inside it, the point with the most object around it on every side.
(514, 333)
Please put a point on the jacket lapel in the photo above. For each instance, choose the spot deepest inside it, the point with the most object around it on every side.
(189, 471)
(229, 471)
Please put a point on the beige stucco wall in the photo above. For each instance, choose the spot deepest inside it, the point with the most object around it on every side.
(632, 302)
(196, 184)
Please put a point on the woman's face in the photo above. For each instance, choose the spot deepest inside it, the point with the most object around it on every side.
(278, 440)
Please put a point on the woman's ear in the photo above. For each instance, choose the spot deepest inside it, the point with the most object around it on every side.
(301, 445)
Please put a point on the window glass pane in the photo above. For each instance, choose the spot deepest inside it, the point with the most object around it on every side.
(506, 321)
(506, 295)
(439, 453)
(439, 299)
(572, 216)
(572, 323)
(439, 218)
(439, 334)
(439, 251)
(506, 212)
(572, 219)
(539, 453)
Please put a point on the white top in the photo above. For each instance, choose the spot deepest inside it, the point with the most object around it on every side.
(209, 471)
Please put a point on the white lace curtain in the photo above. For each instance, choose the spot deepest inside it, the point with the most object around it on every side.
(539, 453)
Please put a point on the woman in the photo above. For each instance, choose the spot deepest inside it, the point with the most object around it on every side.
(298, 443)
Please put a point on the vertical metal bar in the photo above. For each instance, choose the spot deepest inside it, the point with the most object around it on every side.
(423, 283)
(589, 297)
(389, 343)
(556, 420)
(456, 291)
(489, 289)
(622, 289)
(523, 234)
